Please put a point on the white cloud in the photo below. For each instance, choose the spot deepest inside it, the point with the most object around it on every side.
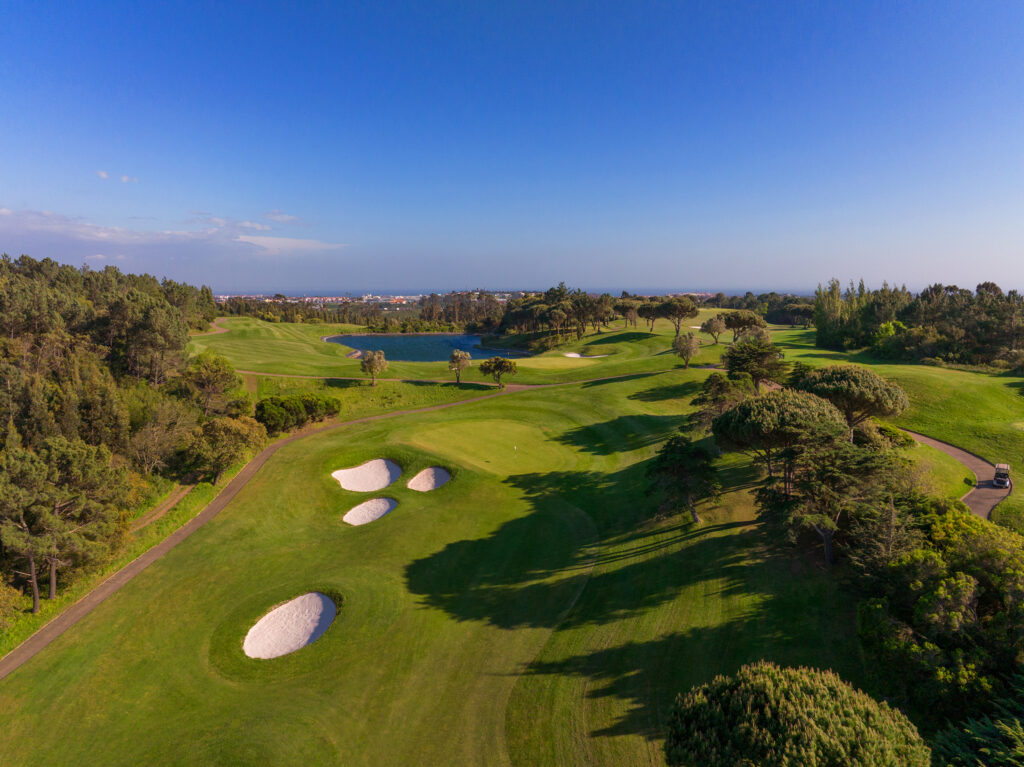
(42, 233)
(102, 174)
(277, 246)
(129, 180)
(281, 218)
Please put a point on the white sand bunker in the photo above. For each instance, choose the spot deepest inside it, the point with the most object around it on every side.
(429, 479)
(290, 626)
(578, 356)
(372, 475)
(370, 510)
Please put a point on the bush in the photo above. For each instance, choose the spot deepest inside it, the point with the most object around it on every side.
(769, 716)
(279, 414)
(895, 437)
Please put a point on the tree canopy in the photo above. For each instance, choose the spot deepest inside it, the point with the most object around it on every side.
(758, 358)
(373, 364)
(769, 716)
(457, 362)
(858, 392)
(496, 367)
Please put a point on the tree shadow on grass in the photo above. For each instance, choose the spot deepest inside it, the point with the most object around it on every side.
(620, 338)
(627, 432)
(617, 379)
(671, 391)
(585, 529)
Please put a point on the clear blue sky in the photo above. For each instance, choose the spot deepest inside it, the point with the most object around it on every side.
(432, 145)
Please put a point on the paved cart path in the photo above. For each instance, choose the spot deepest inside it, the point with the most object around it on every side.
(985, 495)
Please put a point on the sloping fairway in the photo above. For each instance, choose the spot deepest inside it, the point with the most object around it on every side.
(530, 612)
(297, 349)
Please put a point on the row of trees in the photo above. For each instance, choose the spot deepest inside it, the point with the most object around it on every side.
(942, 322)
(97, 399)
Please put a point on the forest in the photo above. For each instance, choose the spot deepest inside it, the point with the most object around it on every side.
(942, 324)
(99, 410)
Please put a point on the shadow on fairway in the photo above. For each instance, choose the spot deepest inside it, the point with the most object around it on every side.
(532, 571)
(620, 338)
(625, 433)
(662, 393)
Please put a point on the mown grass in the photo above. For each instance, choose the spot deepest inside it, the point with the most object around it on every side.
(533, 611)
(297, 349)
(357, 399)
(977, 411)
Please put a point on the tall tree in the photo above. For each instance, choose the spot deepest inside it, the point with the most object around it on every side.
(714, 327)
(676, 310)
(373, 364)
(223, 442)
(496, 367)
(686, 346)
(210, 377)
(459, 361)
(24, 500)
(760, 359)
(766, 426)
(858, 392)
(84, 496)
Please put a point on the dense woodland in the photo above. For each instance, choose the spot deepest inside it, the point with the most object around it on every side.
(940, 618)
(99, 407)
(941, 324)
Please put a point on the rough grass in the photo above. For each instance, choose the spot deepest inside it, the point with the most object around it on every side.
(533, 611)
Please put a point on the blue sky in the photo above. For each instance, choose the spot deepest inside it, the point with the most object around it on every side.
(315, 147)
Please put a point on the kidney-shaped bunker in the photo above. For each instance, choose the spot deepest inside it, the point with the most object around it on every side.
(429, 479)
(369, 511)
(290, 627)
(372, 475)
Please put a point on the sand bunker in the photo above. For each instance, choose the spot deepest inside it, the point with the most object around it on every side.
(578, 356)
(372, 475)
(370, 510)
(429, 479)
(290, 626)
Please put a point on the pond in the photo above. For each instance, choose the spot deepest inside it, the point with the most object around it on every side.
(426, 347)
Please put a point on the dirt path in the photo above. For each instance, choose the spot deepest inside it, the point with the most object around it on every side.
(72, 615)
(169, 503)
(985, 495)
(215, 328)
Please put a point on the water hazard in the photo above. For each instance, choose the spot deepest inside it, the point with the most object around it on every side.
(429, 347)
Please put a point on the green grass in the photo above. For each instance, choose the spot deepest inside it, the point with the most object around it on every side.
(533, 611)
(357, 399)
(297, 350)
(136, 544)
(939, 473)
(980, 412)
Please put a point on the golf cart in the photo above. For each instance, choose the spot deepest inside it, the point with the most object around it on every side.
(1002, 478)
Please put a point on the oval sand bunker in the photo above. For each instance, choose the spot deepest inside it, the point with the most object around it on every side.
(578, 356)
(429, 479)
(370, 510)
(372, 475)
(290, 626)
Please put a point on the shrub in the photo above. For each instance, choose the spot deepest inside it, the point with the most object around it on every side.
(769, 716)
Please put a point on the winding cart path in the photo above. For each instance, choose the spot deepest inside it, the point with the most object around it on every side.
(985, 495)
